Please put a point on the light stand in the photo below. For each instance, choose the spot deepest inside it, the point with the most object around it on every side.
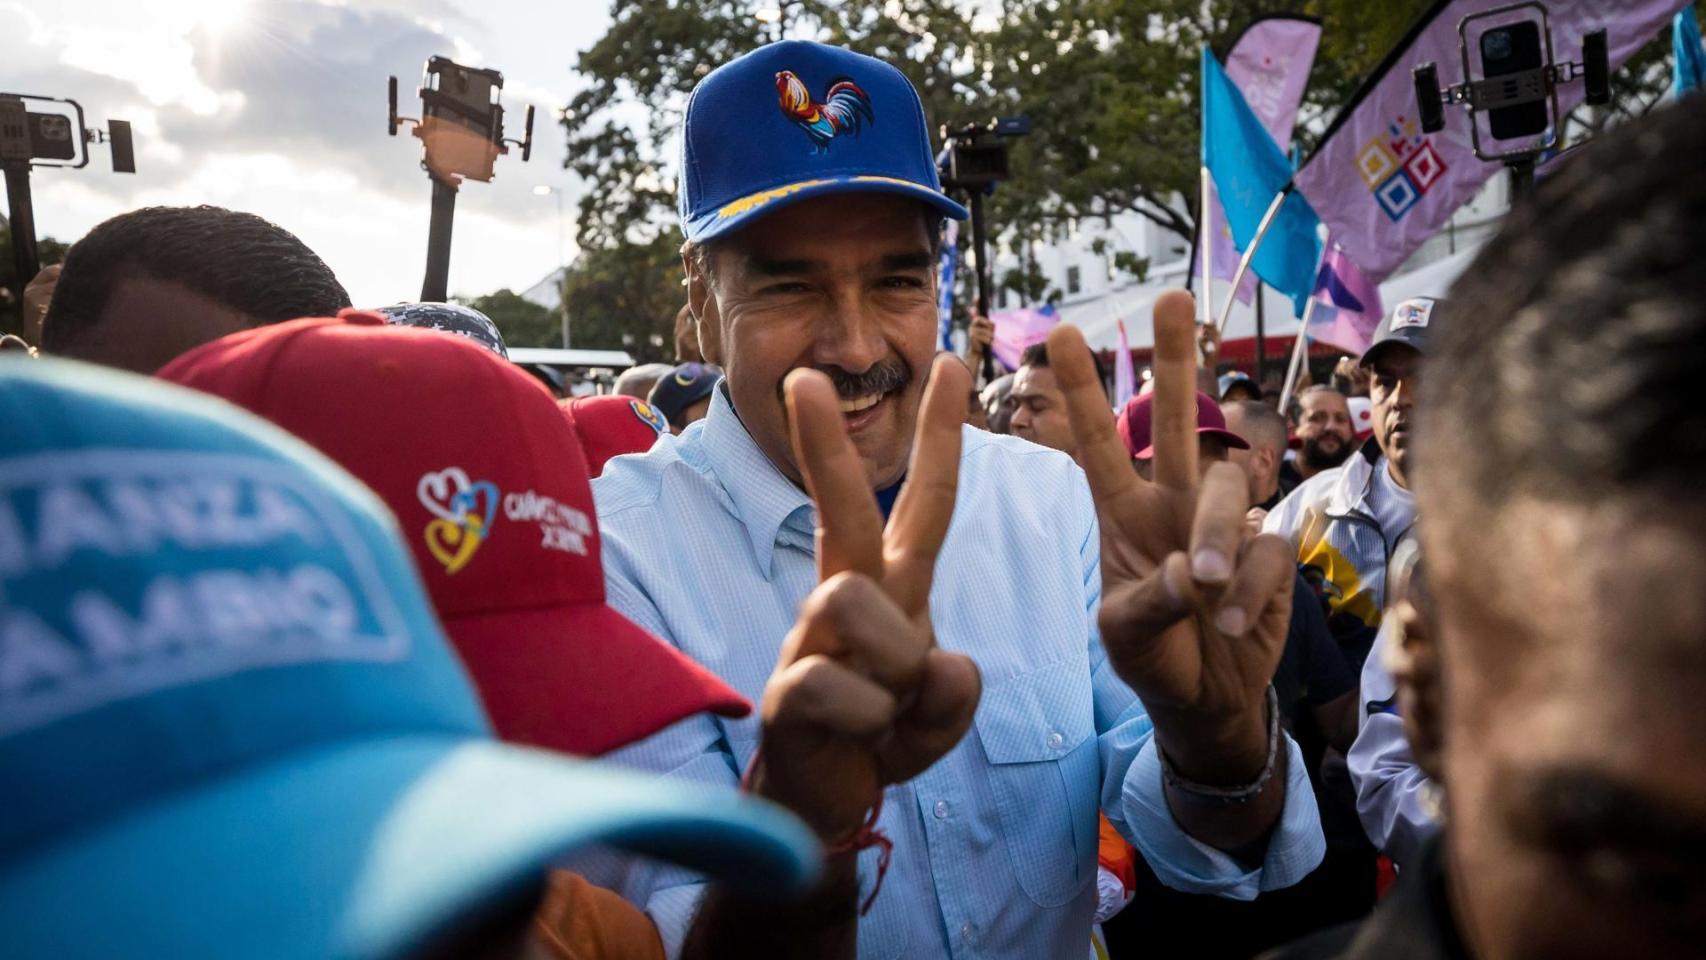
(461, 126)
(46, 138)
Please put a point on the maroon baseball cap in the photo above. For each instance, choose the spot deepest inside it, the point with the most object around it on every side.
(1135, 419)
(612, 425)
(489, 485)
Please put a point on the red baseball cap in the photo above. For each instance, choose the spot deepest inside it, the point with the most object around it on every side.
(1135, 419)
(490, 487)
(612, 425)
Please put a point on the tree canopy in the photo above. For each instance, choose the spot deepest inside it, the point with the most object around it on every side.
(522, 322)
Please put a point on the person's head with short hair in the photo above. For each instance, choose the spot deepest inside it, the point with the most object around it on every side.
(1039, 406)
(1394, 363)
(1326, 437)
(1264, 428)
(997, 398)
(1237, 386)
(148, 285)
(637, 381)
(812, 223)
(1561, 448)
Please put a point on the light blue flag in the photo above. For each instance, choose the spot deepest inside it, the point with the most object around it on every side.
(1689, 72)
(1249, 170)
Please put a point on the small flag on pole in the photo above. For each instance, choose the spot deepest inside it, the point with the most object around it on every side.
(945, 283)
(1347, 305)
(1017, 329)
(1125, 378)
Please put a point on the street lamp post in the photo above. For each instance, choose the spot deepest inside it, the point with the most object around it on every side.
(562, 265)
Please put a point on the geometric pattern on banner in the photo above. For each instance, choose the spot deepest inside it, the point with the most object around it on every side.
(1425, 167)
(1376, 163)
(1399, 166)
(1398, 195)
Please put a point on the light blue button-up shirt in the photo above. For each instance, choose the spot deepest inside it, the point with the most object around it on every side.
(708, 545)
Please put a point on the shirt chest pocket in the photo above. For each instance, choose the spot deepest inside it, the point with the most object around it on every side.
(1037, 731)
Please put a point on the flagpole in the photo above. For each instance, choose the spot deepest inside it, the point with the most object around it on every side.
(1206, 217)
(1297, 352)
(1298, 348)
(1250, 254)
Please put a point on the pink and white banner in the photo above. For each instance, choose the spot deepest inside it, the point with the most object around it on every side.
(1017, 329)
(1381, 185)
(1269, 64)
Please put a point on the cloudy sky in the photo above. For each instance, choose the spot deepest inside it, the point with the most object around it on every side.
(278, 107)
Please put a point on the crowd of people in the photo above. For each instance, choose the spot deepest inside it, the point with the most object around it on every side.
(328, 631)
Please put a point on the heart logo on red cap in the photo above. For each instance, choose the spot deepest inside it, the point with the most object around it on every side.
(453, 544)
(437, 492)
(461, 521)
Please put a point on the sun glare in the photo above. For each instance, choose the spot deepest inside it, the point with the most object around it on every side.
(217, 17)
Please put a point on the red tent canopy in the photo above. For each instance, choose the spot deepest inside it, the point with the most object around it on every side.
(1241, 353)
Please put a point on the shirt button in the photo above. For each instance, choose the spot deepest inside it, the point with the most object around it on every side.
(965, 931)
(941, 809)
(1055, 740)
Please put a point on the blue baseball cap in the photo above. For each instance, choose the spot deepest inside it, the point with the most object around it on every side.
(797, 119)
(682, 387)
(230, 722)
(1235, 378)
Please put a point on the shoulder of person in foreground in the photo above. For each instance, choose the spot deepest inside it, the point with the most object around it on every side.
(637, 480)
(1392, 791)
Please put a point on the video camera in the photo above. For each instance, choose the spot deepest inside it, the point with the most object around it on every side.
(974, 158)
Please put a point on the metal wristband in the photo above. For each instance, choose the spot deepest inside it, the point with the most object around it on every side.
(1204, 793)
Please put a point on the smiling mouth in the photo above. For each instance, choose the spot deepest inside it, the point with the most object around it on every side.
(861, 404)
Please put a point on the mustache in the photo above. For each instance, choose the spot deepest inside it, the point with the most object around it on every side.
(883, 377)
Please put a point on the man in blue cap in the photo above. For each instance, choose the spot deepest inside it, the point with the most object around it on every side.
(810, 203)
(231, 726)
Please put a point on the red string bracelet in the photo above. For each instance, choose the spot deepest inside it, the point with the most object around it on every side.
(867, 836)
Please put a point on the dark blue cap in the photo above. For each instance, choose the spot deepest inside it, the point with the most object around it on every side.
(798, 119)
(682, 388)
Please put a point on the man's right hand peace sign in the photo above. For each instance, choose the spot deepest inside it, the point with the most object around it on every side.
(862, 697)
(1194, 609)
